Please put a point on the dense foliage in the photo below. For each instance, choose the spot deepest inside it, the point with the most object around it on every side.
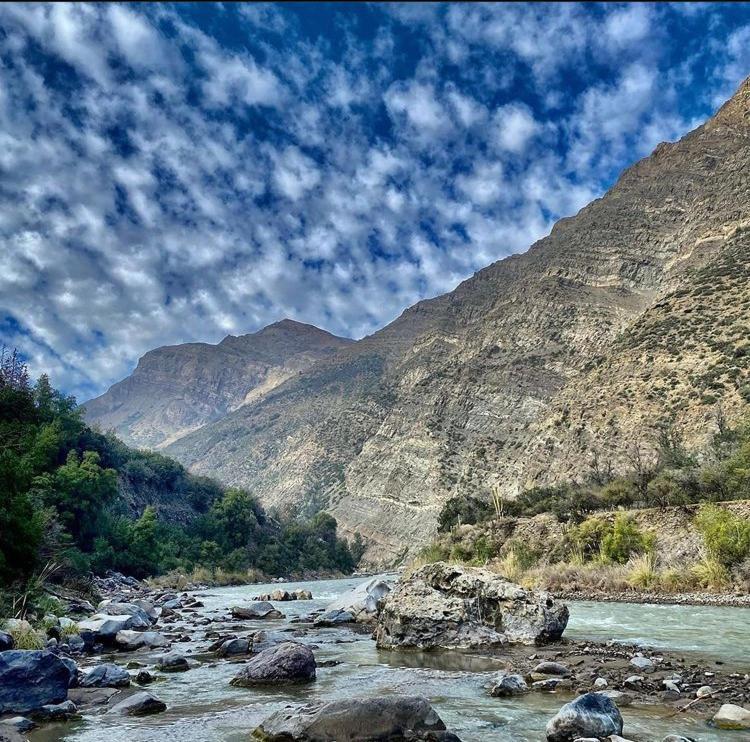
(65, 490)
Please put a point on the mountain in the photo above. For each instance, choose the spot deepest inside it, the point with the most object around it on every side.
(177, 389)
(632, 314)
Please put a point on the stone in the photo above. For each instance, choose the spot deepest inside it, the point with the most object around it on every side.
(677, 738)
(303, 595)
(644, 664)
(363, 601)
(600, 683)
(6, 641)
(551, 668)
(91, 696)
(139, 704)
(552, 684)
(76, 644)
(19, 723)
(148, 608)
(129, 640)
(105, 627)
(67, 624)
(261, 609)
(233, 647)
(633, 682)
(280, 595)
(30, 679)
(141, 619)
(107, 675)
(619, 697)
(704, 691)
(55, 711)
(589, 715)
(334, 618)
(452, 606)
(144, 677)
(172, 662)
(384, 718)
(731, 716)
(509, 685)
(288, 662)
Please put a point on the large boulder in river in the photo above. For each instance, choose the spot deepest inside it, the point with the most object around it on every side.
(141, 619)
(107, 675)
(262, 609)
(362, 602)
(129, 640)
(104, 628)
(30, 679)
(288, 662)
(451, 606)
(730, 716)
(139, 704)
(590, 715)
(352, 719)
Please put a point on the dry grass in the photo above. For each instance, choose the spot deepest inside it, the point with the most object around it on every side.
(25, 637)
(202, 576)
(712, 574)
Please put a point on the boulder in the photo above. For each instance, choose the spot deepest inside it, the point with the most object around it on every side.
(148, 608)
(141, 619)
(286, 663)
(19, 723)
(281, 595)
(30, 679)
(172, 662)
(551, 668)
(139, 704)
(261, 609)
(6, 641)
(644, 664)
(303, 595)
(620, 698)
(55, 712)
(334, 618)
(452, 606)
(129, 640)
(388, 718)
(233, 647)
(72, 668)
(730, 716)
(107, 675)
(363, 601)
(509, 685)
(589, 715)
(104, 628)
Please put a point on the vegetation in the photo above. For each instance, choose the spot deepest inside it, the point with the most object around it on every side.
(65, 490)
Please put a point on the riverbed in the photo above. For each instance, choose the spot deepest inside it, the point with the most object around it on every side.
(202, 706)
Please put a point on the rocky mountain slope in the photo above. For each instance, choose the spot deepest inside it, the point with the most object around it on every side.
(631, 313)
(177, 389)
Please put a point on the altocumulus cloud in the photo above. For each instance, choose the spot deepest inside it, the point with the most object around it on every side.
(178, 173)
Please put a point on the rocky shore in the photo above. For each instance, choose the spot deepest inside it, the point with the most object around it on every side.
(736, 600)
(114, 660)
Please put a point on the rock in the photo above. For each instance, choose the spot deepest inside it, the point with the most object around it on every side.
(144, 677)
(551, 668)
(600, 683)
(19, 723)
(281, 595)
(139, 704)
(141, 619)
(589, 715)
(233, 647)
(76, 643)
(172, 605)
(129, 640)
(385, 718)
(55, 712)
(286, 663)
(6, 641)
(704, 691)
(107, 675)
(552, 684)
(509, 685)
(67, 624)
(105, 628)
(677, 738)
(260, 609)
(303, 595)
(30, 679)
(334, 618)
(644, 664)
(18, 625)
(730, 716)
(363, 601)
(172, 662)
(452, 606)
(619, 697)
(92, 696)
(148, 608)
(671, 686)
(633, 682)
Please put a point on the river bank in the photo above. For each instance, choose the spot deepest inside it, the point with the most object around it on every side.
(736, 600)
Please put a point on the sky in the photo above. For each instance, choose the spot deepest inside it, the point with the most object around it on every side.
(178, 173)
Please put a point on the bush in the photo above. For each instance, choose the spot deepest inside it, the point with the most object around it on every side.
(712, 574)
(725, 535)
(625, 539)
(462, 511)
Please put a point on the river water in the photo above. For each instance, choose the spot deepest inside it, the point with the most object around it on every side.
(202, 706)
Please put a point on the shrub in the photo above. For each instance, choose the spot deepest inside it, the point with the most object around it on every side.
(625, 539)
(25, 637)
(643, 572)
(619, 494)
(712, 574)
(462, 510)
(586, 538)
(725, 535)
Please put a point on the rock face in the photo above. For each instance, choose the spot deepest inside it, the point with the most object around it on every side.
(449, 606)
(288, 662)
(30, 680)
(590, 715)
(373, 719)
(361, 602)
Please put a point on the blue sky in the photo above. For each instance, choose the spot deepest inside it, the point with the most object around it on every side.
(173, 173)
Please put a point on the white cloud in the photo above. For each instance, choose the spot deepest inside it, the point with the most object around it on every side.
(514, 127)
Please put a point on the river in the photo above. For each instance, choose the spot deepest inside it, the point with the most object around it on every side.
(203, 707)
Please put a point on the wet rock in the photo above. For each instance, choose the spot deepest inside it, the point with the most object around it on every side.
(551, 668)
(388, 718)
(141, 619)
(334, 618)
(107, 675)
(76, 644)
(104, 628)
(91, 696)
(286, 663)
(148, 608)
(644, 664)
(144, 677)
(19, 724)
(139, 704)
(30, 679)
(452, 606)
(363, 601)
(6, 641)
(55, 711)
(731, 716)
(509, 685)
(260, 609)
(677, 738)
(589, 715)
(552, 684)
(129, 640)
(234, 647)
(172, 662)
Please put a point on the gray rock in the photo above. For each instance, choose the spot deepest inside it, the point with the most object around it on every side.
(105, 627)
(363, 601)
(704, 691)
(286, 663)
(509, 685)
(148, 608)
(55, 712)
(19, 723)
(31, 679)
(144, 677)
(173, 604)
(600, 683)
(139, 704)
(633, 682)
(260, 609)
(552, 684)
(141, 619)
(91, 696)
(107, 675)
(619, 697)
(644, 664)
(589, 715)
(551, 668)
(6, 641)
(452, 606)
(354, 719)
(9, 734)
(334, 618)
(281, 595)
(233, 647)
(731, 716)
(172, 662)
(76, 643)
(72, 668)
(677, 738)
(303, 595)
(129, 640)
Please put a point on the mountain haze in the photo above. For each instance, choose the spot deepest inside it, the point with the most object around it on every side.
(633, 313)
